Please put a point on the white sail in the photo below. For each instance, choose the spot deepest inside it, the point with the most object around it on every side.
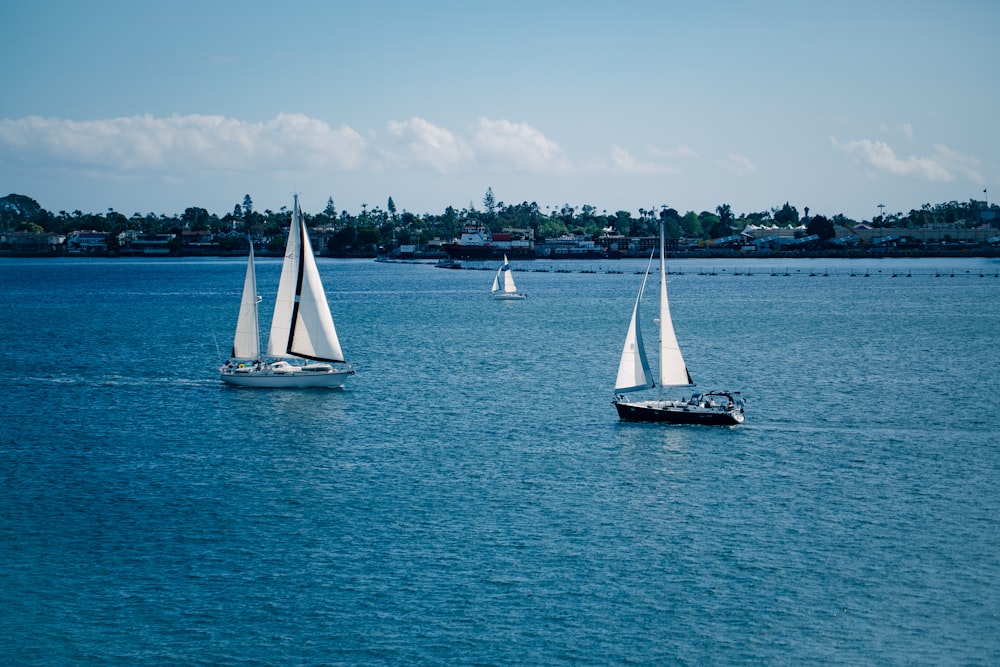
(246, 344)
(633, 369)
(302, 325)
(673, 371)
(284, 303)
(503, 283)
(508, 281)
(313, 334)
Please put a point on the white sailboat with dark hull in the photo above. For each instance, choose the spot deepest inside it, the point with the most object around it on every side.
(719, 408)
(303, 349)
(504, 288)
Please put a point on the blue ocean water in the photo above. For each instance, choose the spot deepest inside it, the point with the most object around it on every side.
(470, 497)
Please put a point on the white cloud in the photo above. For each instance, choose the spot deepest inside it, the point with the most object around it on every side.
(625, 162)
(182, 143)
(679, 151)
(287, 142)
(518, 145)
(739, 164)
(425, 143)
(967, 165)
(881, 156)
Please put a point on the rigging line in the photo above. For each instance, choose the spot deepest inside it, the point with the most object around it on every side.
(218, 350)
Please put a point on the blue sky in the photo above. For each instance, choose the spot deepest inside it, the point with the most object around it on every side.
(156, 106)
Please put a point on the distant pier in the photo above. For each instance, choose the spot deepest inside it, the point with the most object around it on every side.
(597, 267)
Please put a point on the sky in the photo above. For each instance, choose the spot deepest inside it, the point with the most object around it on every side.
(153, 107)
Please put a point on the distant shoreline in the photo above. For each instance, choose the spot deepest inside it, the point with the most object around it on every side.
(980, 252)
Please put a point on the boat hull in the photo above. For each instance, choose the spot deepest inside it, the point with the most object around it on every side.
(499, 296)
(332, 379)
(672, 412)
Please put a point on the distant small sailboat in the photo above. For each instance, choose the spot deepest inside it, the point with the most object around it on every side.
(720, 408)
(303, 345)
(504, 288)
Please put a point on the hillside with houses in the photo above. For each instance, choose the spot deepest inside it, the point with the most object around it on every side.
(970, 228)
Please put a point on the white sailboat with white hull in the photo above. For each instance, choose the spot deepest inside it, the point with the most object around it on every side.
(303, 349)
(634, 374)
(504, 288)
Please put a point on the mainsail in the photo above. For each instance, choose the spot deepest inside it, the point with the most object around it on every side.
(508, 281)
(673, 370)
(246, 344)
(302, 325)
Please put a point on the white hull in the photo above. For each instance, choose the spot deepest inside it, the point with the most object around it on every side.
(279, 379)
(502, 296)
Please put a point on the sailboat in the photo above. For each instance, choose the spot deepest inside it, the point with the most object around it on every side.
(504, 288)
(719, 408)
(303, 349)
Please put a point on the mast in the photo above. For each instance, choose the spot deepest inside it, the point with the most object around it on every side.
(303, 235)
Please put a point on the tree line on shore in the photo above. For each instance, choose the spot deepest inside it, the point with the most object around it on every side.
(389, 227)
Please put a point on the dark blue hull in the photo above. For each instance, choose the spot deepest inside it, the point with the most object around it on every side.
(633, 412)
